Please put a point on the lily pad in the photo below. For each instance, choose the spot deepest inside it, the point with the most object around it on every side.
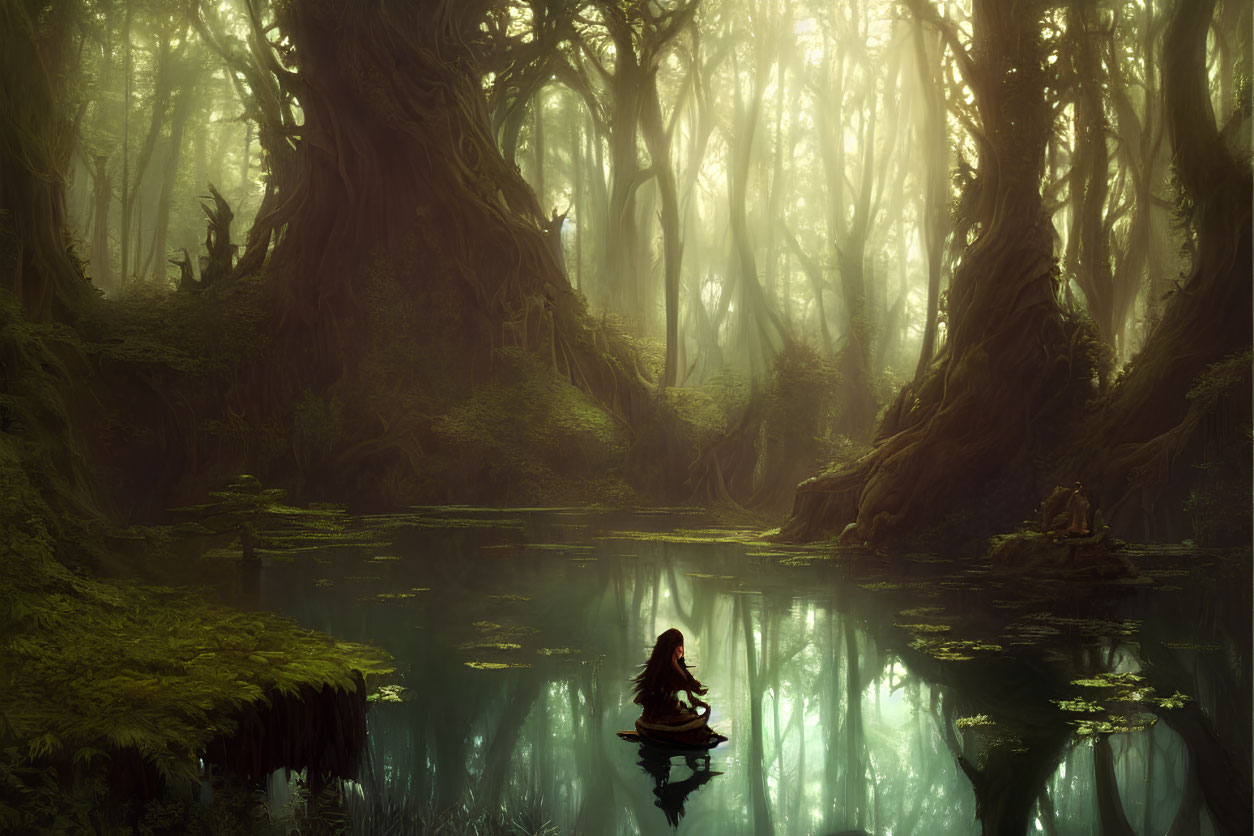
(953, 650)
(496, 666)
(391, 693)
(490, 645)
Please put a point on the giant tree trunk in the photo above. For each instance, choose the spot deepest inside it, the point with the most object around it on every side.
(1088, 249)
(934, 208)
(854, 361)
(35, 145)
(36, 140)
(622, 244)
(849, 224)
(1141, 134)
(1138, 452)
(659, 145)
(955, 453)
(406, 234)
(102, 198)
(170, 168)
(759, 330)
(269, 102)
(396, 156)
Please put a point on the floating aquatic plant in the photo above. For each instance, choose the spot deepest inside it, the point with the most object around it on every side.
(496, 666)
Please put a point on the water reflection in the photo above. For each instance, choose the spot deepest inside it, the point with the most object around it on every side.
(882, 695)
(657, 762)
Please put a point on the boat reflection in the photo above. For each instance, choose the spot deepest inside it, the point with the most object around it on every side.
(657, 763)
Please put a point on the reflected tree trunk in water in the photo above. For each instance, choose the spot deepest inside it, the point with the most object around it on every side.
(541, 752)
(1187, 821)
(798, 797)
(619, 591)
(908, 821)
(1224, 784)
(498, 760)
(449, 750)
(450, 733)
(1212, 737)
(828, 717)
(686, 618)
(1045, 812)
(1009, 779)
(1114, 821)
(771, 655)
(757, 782)
(597, 807)
(855, 765)
(653, 631)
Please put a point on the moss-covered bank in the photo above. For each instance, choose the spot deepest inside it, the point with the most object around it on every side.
(111, 690)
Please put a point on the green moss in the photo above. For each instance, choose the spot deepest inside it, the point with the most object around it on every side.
(690, 535)
(92, 670)
(1112, 702)
(926, 628)
(953, 650)
(529, 434)
(1220, 379)
(490, 645)
(276, 528)
(496, 666)
(158, 671)
(317, 428)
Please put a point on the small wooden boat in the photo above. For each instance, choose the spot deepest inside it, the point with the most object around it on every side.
(634, 736)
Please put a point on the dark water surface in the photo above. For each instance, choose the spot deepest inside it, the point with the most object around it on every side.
(858, 692)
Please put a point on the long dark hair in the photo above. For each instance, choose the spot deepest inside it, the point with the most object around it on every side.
(650, 684)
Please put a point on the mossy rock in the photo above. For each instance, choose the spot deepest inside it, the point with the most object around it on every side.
(1095, 557)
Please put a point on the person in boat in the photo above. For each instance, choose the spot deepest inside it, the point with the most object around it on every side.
(664, 717)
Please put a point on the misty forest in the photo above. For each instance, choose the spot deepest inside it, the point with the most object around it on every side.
(379, 379)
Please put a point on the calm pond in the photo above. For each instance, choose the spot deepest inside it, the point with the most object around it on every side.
(892, 695)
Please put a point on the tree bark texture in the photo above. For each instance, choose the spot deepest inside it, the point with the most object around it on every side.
(1137, 454)
(934, 208)
(404, 232)
(1110, 811)
(35, 146)
(1088, 246)
(268, 99)
(659, 145)
(102, 198)
(174, 152)
(955, 452)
